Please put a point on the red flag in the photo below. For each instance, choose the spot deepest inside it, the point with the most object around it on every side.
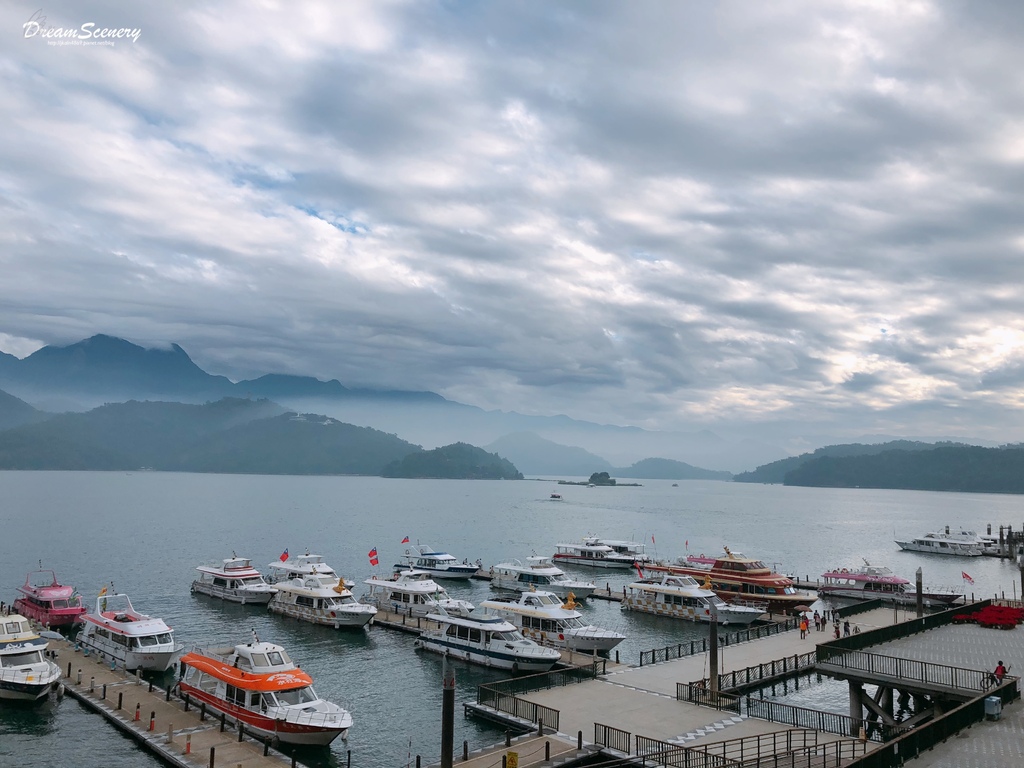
(639, 570)
(687, 543)
(284, 556)
(652, 538)
(967, 577)
(373, 557)
(405, 540)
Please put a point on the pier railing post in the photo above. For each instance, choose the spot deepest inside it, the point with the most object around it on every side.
(213, 753)
(120, 697)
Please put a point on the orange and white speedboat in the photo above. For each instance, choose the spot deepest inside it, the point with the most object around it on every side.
(259, 685)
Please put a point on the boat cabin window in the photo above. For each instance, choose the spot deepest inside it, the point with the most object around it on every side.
(13, 627)
(509, 636)
(103, 633)
(303, 600)
(147, 641)
(236, 695)
(60, 603)
(296, 696)
(277, 658)
(255, 700)
(468, 634)
(218, 582)
(20, 659)
(119, 639)
(259, 660)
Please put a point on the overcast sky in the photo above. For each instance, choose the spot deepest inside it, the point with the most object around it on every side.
(670, 214)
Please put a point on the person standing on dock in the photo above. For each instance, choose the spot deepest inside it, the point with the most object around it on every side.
(803, 627)
(846, 628)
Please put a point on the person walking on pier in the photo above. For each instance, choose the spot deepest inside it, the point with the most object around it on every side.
(803, 627)
(999, 673)
(846, 628)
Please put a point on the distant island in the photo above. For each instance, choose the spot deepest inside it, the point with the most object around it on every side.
(600, 478)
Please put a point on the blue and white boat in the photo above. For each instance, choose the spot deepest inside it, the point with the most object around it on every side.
(440, 565)
(25, 672)
(486, 639)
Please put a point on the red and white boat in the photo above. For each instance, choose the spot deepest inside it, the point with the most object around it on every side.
(736, 578)
(45, 600)
(871, 582)
(258, 684)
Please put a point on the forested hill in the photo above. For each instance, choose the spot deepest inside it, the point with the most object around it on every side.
(945, 468)
(777, 470)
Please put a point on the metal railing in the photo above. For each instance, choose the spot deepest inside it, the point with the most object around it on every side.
(612, 738)
(761, 745)
(682, 650)
(699, 694)
(912, 742)
(830, 722)
(657, 752)
(517, 707)
(543, 681)
(834, 754)
(926, 673)
(752, 675)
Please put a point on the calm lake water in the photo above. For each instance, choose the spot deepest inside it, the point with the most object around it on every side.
(146, 532)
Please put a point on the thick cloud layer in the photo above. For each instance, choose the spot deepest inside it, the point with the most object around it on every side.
(787, 215)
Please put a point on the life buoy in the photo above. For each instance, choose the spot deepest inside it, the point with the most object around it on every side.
(561, 636)
(334, 615)
(707, 611)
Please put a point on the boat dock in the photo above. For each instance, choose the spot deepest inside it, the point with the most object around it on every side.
(666, 712)
(177, 732)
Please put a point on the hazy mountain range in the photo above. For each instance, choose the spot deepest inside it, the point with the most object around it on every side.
(104, 369)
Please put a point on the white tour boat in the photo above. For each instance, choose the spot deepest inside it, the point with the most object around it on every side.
(320, 599)
(25, 672)
(538, 573)
(681, 597)
(234, 580)
(414, 593)
(543, 617)
(591, 554)
(870, 582)
(634, 550)
(486, 639)
(963, 543)
(133, 640)
(257, 684)
(440, 565)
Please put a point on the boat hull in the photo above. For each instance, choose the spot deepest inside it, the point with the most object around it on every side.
(241, 596)
(574, 641)
(593, 562)
(30, 687)
(462, 572)
(929, 600)
(910, 546)
(486, 657)
(285, 731)
(53, 618)
(322, 616)
(685, 612)
(580, 592)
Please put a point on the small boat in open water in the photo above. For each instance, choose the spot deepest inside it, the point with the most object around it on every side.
(133, 640)
(47, 601)
(234, 580)
(25, 672)
(486, 639)
(259, 685)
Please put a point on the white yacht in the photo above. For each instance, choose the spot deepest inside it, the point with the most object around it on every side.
(681, 597)
(486, 639)
(25, 672)
(538, 573)
(440, 565)
(118, 633)
(321, 600)
(302, 566)
(234, 580)
(543, 617)
(634, 550)
(414, 593)
(591, 554)
(961, 542)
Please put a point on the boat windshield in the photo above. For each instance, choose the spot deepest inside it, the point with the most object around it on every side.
(509, 636)
(14, 627)
(21, 659)
(295, 696)
(147, 641)
(251, 581)
(278, 657)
